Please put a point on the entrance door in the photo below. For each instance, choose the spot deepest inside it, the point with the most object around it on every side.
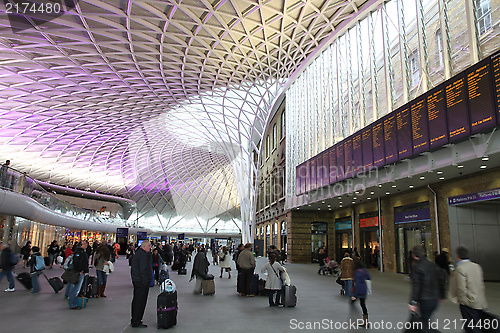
(408, 237)
(344, 243)
(319, 238)
(370, 247)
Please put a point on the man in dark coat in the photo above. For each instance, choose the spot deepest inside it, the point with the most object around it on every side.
(142, 275)
(81, 265)
(428, 285)
(6, 266)
(200, 269)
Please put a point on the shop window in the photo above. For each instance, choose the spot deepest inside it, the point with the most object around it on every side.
(275, 136)
(283, 125)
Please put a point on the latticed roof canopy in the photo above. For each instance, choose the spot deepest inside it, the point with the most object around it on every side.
(159, 101)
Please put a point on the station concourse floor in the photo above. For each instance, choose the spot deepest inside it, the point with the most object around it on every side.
(319, 303)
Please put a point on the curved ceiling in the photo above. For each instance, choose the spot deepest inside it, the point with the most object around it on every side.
(159, 101)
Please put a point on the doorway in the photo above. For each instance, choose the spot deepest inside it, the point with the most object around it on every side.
(344, 244)
(319, 238)
(370, 247)
(408, 236)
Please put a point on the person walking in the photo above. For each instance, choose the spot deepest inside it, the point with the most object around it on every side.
(361, 275)
(225, 261)
(7, 264)
(141, 274)
(428, 285)
(101, 259)
(81, 265)
(36, 269)
(321, 258)
(246, 261)
(347, 275)
(274, 281)
(200, 268)
(467, 288)
(26, 252)
(53, 252)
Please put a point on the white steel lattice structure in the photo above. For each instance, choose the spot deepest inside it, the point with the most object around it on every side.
(159, 101)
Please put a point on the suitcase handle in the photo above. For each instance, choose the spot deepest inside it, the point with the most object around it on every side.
(167, 309)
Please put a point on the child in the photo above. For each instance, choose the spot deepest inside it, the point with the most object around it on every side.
(37, 264)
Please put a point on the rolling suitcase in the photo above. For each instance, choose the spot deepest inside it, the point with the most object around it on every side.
(288, 296)
(166, 310)
(89, 286)
(47, 261)
(255, 284)
(25, 279)
(239, 284)
(55, 282)
(208, 287)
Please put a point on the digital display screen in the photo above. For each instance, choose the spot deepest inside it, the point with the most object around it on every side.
(390, 138)
(332, 153)
(326, 168)
(378, 143)
(456, 108)
(419, 130)
(319, 170)
(436, 112)
(308, 176)
(340, 161)
(367, 143)
(298, 187)
(481, 108)
(403, 127)
(357, 154)
(348, 157)
(495, 64)
(313, 173)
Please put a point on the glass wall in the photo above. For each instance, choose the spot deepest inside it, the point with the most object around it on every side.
(394, 54)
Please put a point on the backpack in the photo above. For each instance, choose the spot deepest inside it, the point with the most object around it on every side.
(68, 264)
(39, 263)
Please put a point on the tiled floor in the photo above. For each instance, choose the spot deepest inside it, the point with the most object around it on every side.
(319, 308)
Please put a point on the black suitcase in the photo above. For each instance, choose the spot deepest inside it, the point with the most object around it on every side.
(166, 309)
(89, 286)
(47, 261)
(239, 284)
(25, 279)
(255, 284)
(56, 283)
(182, 271)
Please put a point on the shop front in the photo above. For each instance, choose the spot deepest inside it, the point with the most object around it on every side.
(343, 235)
(412, 227)
(319, 238)
(370, 236)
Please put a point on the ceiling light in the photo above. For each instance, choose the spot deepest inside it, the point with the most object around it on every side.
(422, 177)
(353, 202)
(379, 185)
(387, 193)
(322, 202)
(485, 158)
(439, 172)
(309, 205)
(441, 178)
(483, 166)
(393, 185)
(329, 205)
(339, 197)
(460, 166)
(372, 192)
(298, 208)
(329, 209)
(354, 198)
(368, 198)
(319, 208)
(340, 206)
(411, 186)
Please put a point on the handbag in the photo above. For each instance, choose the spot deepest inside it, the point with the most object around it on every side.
(70, 276)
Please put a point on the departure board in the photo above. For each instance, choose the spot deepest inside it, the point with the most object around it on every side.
(378, 143)
(390, 138)
(456, 108)
(419, 130)
(367, 145)
(357, 154)
(495, 65)
(403, 129)
(332, 153)
(312, 173)
(480, 97)
(340, 161)
(297, 180)
(436, 111)
(303, 172)
(308, 176)
(348, 157)
(319, 170)
(326, 169)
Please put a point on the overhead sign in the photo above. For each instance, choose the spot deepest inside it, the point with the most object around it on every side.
(142, 235)
(474, 197)
(121, 232)
(417, 215)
